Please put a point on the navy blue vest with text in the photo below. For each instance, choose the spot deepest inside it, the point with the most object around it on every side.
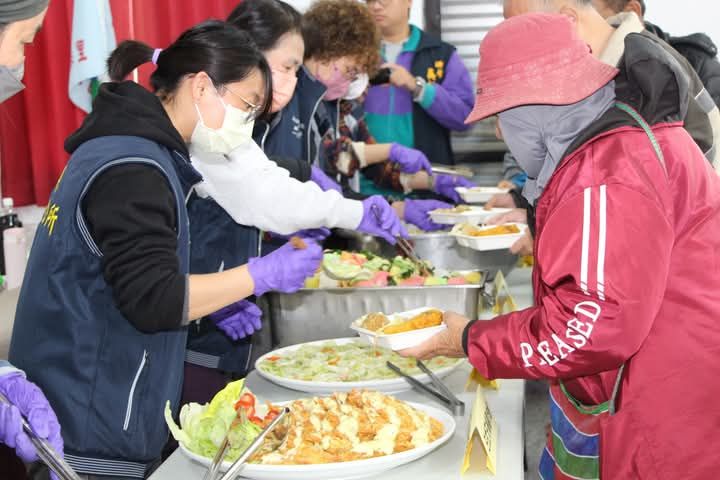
(107, 381)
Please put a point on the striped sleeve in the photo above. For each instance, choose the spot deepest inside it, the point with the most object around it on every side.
(604, 257)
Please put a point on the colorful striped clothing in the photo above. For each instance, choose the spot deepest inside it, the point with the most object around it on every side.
(447, 98)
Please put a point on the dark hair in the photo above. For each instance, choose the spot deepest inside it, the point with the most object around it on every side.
(337, 28)
(266, 21)
(222, 51)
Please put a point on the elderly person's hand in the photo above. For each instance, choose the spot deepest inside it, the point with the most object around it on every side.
(447, 343)
(524, 245)
(516, 215)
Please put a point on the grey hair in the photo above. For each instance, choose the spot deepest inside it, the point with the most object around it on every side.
(551, 5)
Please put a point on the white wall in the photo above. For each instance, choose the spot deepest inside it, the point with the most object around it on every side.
(416, 12)
(683, 18)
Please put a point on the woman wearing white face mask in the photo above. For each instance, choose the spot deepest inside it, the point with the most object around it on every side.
(244, 190)
(254, 191)
(113, 249)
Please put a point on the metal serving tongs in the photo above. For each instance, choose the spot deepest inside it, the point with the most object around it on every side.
(45, 451)
(406, 248)
(238, 464)
(440, 392)
(214, 468)
(457, 171)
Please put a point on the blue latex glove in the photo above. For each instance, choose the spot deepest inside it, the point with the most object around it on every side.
(238, 320)
(416, 212)
(323, 181)
(409, 159)
(285, 269)
(28, 399)
(445, 186)
(380, 219)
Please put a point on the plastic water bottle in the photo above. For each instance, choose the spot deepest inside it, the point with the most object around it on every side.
(15, 250)
(14, 245)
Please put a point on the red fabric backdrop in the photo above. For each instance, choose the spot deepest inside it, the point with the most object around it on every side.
(34, 123)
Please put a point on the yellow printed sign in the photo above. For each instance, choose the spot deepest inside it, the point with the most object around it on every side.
(481, 448)
(476, 378)
(503, 301)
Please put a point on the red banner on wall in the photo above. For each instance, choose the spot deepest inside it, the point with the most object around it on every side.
(35, 123)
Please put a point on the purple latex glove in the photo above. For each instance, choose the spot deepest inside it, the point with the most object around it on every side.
(416, 212)
(445, 186)
(285, 269)
(380, 219)
(323, 181)
(238, 320)
(28, 399)
(409, 159)
(317, 234)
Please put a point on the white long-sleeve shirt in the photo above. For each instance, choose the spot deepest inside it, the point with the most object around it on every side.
(256, 192)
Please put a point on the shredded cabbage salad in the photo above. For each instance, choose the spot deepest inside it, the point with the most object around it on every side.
(351, 362)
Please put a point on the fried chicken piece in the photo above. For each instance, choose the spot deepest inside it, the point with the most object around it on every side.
(375, 321)
(298, 243)
(487, 232)
(429, 318)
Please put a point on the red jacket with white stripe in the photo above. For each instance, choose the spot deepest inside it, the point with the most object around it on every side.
(628, 272)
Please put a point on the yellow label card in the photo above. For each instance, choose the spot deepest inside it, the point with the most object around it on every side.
(481, 447)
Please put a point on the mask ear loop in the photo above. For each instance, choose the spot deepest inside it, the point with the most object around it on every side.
(225, 107)
(197, 109)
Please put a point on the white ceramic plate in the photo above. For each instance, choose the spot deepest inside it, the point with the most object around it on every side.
(386, 385)
(398, 341)
(479, 194)
(474, 216)
(491, 242)
(370, 467)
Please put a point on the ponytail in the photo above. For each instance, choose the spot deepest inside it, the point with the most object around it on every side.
(224, 52)
(128, 56)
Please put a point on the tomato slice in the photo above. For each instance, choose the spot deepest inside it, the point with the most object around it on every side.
(256, 420)
(271, 416)
(246, 401)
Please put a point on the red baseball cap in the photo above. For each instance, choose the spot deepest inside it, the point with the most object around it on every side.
(535, 59)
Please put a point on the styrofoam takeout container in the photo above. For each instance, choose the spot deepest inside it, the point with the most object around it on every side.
(479, 194)
(491, 242)
(474, 216)
(399, 341)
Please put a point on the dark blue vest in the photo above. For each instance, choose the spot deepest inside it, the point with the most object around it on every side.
(217, 242)
(431, 138)
(107, 381)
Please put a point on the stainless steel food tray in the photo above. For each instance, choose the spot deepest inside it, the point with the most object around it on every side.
(319, 314)
(441, 249)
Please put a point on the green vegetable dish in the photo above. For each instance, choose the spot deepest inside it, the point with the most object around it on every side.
(347, 362)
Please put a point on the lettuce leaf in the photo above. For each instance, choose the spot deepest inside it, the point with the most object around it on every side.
(203, 427)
